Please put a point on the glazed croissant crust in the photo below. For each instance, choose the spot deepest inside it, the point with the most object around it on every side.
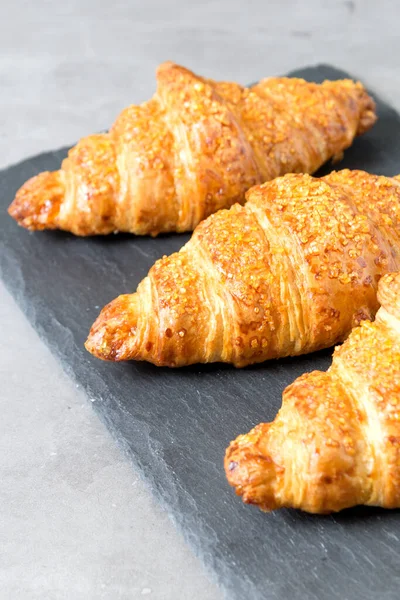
(335, 443)
(290, 272)
(197, 146)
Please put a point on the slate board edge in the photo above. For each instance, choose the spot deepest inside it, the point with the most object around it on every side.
(176, 517)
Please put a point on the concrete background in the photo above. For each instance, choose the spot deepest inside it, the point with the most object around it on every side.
(76, 522)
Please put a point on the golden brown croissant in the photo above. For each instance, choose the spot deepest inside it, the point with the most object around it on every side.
(290, 272)
(194, 148)
(335, 443)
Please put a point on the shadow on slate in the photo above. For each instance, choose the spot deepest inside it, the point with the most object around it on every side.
(176, 424)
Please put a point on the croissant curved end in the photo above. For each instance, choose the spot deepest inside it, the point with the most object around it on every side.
(250, 470)
(167, 65)
(113, 336)
(367, 113)
(37, 202)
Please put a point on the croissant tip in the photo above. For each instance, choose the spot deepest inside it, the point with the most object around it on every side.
(368, 116)
(250, 470)
(21, 211)
(166, 66)
(96, 349)
(36, 204)
(113, 336)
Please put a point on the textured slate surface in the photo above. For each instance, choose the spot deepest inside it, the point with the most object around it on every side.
(175, 425)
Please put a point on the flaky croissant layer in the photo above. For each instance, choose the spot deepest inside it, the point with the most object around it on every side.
(197, 146)
(335, 442)
(290, 272)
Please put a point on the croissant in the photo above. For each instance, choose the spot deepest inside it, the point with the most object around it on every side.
(197, 146)
(290, 272)
(335, 442)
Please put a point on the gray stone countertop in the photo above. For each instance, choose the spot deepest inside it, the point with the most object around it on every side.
(76, 520)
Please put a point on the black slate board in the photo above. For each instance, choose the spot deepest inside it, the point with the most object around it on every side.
(175, 424)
